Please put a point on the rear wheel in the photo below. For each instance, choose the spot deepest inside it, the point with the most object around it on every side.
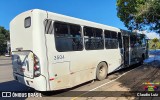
(101, 71)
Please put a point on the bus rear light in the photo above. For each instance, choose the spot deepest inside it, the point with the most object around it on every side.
(36, 67)
(37, 73)
(36, 61)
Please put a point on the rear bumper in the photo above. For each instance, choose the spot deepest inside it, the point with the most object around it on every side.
(38, 83)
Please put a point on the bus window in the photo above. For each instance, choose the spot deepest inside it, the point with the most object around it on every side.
(138, 41)
(48, 26)
(61, 29)
(107, 39)
(67, 37)
(75, 31)
(27, 22)
(93, 38)
(133, 40)
(114, 35)
(98, 42)
(111, 41)
(143, 40)
(114, 41)
(120, 39)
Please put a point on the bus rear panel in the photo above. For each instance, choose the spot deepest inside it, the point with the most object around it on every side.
(26, 46)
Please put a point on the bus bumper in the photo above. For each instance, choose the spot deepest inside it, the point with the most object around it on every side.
(38, 83)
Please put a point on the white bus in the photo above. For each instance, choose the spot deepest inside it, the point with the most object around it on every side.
(52, 51)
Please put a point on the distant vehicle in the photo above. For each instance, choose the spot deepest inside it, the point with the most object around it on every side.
(8, 49)
(52, 51)
(7, 55)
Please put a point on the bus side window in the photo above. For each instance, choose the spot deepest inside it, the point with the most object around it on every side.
(62, 41)
(77, 41)
(48, 26)
(114, 41)
(88, 34)
(99, 41)
(93, 38)
(107, 39)
(68, 37)
(120, 39)
(111, 39)
(132, 41)
(138, 41)
(143, 40)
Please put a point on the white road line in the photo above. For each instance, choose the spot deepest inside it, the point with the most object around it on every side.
(103, 84)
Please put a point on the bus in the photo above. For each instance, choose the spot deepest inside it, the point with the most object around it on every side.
(51, 51)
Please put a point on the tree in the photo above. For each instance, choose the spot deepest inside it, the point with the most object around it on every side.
(155, 43)
(4, 36)
(139, 14)
(155, 40)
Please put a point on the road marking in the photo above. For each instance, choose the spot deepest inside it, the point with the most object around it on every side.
(103, 84)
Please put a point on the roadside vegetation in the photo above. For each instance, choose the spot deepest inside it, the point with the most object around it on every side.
(154, 44)
(4, 37)
(141, 15)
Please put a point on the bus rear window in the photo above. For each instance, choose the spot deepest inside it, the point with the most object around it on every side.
(27, 22)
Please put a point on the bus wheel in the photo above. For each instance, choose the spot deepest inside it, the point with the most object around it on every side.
(101, 71)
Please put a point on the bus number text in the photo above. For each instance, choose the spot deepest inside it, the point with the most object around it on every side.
(58, 57)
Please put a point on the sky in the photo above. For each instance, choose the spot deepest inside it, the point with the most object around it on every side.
(99, 11)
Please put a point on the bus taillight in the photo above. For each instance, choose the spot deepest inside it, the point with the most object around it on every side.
(36, 67)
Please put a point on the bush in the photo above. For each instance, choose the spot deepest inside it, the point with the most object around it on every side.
(4, 36)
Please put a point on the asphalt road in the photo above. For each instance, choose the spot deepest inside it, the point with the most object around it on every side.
(7, 83)
(130, 79)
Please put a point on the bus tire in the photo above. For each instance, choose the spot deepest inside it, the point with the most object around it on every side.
(101, 71)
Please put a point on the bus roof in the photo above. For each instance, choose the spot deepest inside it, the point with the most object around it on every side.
(65, 18)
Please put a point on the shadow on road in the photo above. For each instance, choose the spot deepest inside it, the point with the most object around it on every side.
(13, 86)
(149, 72)
(64, 92)
(136, 80)
(8, 64)
(69, 93)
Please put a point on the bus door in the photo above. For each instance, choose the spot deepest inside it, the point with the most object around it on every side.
(126, 50)
(147, 46)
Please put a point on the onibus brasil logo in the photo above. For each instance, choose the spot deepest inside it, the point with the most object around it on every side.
(151, 86)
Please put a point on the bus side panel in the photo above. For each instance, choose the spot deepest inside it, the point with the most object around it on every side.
(59, 73)
(82, 76)
(68, 69)
(79, 66)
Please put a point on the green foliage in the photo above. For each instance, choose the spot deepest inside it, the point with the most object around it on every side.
(153, 42)
(139, 14)
(4, 36)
